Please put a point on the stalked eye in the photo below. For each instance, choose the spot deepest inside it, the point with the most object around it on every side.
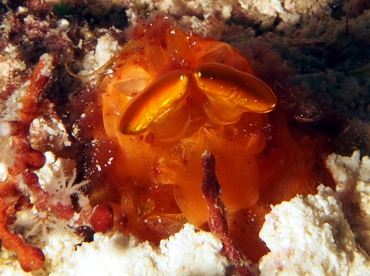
(231, 92)
(157, 105)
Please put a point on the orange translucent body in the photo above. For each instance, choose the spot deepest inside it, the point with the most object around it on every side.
(162, 124)
(171, 97)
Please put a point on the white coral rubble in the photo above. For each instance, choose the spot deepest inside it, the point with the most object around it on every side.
(123, 255)
(352, 175)
(317, 234)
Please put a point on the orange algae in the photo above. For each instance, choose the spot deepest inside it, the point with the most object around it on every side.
(171, 97)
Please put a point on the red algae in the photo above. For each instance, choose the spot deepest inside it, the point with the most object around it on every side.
(165, 103)
(21, 189)
(26, 160)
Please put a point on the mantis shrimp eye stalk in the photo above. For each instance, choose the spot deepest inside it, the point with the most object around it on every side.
(230, 92)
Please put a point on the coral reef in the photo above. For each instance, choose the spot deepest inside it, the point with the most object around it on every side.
(56, 158)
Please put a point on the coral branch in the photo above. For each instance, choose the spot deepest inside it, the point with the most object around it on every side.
(30, 258)
(34, 86)
(23, 107)
(217, 223)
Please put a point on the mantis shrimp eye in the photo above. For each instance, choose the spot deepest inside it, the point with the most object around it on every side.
(160, 107)
(231, 92)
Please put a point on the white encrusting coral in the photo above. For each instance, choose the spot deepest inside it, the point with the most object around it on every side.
(123, 255)
(323, 234)
(352, 175)
(105, 49)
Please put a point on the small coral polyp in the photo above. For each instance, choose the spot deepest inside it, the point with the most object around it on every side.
(174, 95)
